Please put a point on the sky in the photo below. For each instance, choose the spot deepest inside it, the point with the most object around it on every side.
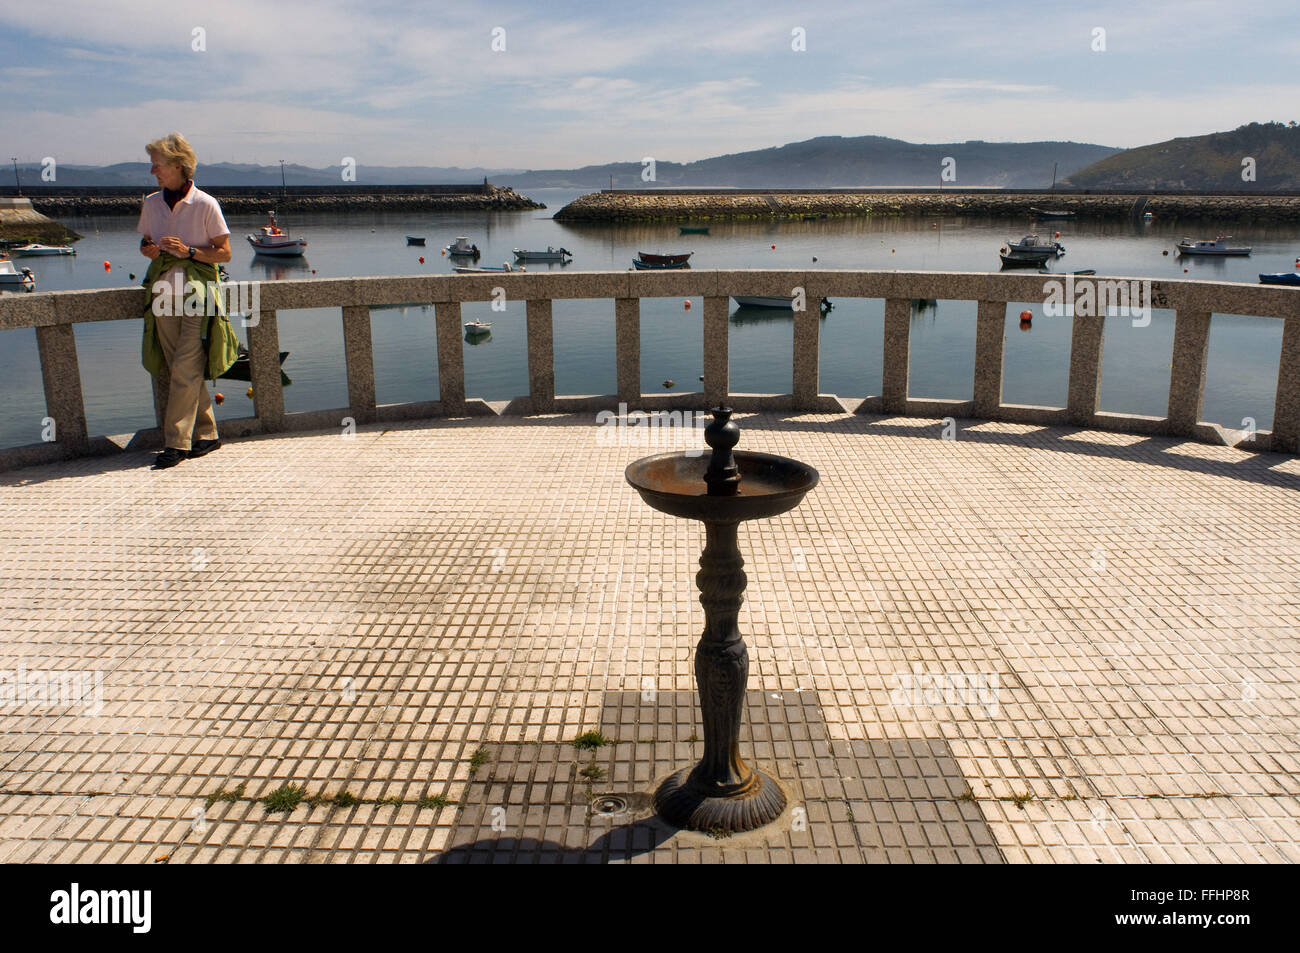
(583, 83)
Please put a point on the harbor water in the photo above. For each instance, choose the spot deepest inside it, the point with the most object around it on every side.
(1241, 377)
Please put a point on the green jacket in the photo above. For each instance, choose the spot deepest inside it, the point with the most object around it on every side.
(218, 336)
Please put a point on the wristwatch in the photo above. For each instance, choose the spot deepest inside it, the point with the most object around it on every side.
(192, 251)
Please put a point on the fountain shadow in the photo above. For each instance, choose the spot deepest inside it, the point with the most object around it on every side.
(850, 801)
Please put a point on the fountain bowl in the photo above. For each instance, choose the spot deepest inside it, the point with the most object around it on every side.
(673, 483)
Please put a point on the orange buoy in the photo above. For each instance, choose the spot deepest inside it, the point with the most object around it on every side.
(1026, 325)
(250, 392)
(686, 304)
(422, 259)
(107, 266)
(313, 271)
(1057, 235)
(773, 248)
(1184, 271)
(1026, 315)
(218, 398)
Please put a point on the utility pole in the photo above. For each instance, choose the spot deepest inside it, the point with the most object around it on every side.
(14, 160)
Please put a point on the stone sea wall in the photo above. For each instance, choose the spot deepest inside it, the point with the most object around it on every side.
(638, 206)
(494, 198)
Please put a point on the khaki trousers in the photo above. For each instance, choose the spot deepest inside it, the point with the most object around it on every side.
(189, 409)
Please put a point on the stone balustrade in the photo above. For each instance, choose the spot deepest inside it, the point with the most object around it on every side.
(55, 314)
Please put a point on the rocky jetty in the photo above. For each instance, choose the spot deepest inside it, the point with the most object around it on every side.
(721, 205)
(239, 201)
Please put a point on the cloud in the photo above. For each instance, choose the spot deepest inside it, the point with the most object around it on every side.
(417, 83)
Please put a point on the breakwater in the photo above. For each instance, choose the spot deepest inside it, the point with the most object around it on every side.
(238, 200)
(723, 204)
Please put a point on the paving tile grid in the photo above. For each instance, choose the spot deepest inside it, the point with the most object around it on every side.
(1097, 632)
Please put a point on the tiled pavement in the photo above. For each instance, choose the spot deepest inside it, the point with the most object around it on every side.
(1025, 644)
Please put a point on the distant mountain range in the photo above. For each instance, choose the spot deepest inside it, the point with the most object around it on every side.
(1215, 161)
(1201, 162)
(837, 162)
(825, 162)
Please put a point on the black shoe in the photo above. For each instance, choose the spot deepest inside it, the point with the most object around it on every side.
(168, 458)
(204, 446)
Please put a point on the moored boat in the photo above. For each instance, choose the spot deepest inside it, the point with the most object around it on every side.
(694, 230)
(462, 246)
(1219, 247)
(1033, 245)
(562, 255)
(477, 270)
(640, 265)
(1050, 213)
(276, 241)
(1025, 259)
(412, 240)
(35, 248)
(1281, 278)
(11, 277)
(242, 369)
(677, 260)
(773, 301)
(478, 327)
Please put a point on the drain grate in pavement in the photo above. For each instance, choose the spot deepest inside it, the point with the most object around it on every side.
(850, 801)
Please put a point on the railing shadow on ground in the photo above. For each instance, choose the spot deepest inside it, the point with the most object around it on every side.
(1256, 467)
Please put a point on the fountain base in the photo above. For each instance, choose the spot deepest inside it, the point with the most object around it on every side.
(685, 804)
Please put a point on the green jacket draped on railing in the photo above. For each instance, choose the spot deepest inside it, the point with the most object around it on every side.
(219, 339)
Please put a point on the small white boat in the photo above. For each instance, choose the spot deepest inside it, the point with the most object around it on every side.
(1033, 245)
(11, 277)
(478, 327)
(462, 246)
(562, 255)
(37, 249)
(275, 241)
(1219, 246)
(478, 270)
(779, 301)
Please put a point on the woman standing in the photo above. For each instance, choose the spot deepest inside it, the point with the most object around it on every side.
(185, 237)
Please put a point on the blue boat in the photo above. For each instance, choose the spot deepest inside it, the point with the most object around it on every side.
(1281, 278)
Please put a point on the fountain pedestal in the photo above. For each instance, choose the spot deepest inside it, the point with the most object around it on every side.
(721, 793)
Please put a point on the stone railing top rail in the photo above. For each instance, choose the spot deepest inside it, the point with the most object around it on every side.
(68, 307)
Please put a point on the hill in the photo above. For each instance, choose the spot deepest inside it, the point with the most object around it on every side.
(835, 161)
(1206, 162)
(824, 162)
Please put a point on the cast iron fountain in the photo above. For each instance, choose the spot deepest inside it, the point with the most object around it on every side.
(721, 793)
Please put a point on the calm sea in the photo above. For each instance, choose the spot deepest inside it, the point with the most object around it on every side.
(1243, 359)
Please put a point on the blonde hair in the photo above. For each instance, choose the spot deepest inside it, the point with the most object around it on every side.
(172, 148)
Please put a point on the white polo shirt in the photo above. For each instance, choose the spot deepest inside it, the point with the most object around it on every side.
(196, 220)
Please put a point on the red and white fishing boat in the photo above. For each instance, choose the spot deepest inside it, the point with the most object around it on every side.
(275, 241)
